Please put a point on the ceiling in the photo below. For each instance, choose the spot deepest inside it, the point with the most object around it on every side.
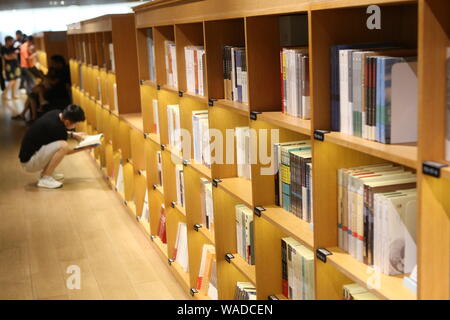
(28, 4)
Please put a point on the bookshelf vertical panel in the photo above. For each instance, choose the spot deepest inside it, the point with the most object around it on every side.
(329, 281)
(148, 94)
(217, 35)
(186, 35)
(263, 62)
(267, 258)
(140, 187)
(434, 210)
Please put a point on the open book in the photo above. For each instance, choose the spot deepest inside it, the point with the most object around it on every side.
(90, 141)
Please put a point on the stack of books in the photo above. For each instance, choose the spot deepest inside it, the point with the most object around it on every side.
(243, 152)
(377, 210)
(207, 205)
(293, 183)
(354, 291)
(173, 119)
(295, 82)
(151, 55)
(179, 180)
(180, 251)
(171, 63)
(297, 270)
(235, 74)
(200, 129)
(207, 276)
(374, 92)
(245, 233)
(195, 71)
(245, 291)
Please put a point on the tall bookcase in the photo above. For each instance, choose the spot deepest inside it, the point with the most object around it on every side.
(420, 24)
(49, 43)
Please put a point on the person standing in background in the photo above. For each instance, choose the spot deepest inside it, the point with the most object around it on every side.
(12, 69)
(27, 62)
(2, 79)
(20, 39)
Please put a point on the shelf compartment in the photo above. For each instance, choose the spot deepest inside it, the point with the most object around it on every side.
(245, 268)
(290, 224)
(404, 154)
(201, 168)
(135, 120)
(285, 121)
(207, 234)
(162, 247)
(240, 188)
(182, 276)
(391, 287)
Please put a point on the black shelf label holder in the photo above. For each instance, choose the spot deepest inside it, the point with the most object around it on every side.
(180, 93)
(432, 168)
(211, 102)
(170, 260)
(254, 115)
(163, 146)
(322, 254)
(154, 187)
(257, 210)
(185, 162)
(320, 134)
(216, 182)
(158, 87)
(272, 297)
(193, 291)
(197, 226)
(172, 204)
(152, 237)
(228, 257)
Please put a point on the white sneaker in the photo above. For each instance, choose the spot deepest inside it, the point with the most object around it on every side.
(58, 176)
(49, 182)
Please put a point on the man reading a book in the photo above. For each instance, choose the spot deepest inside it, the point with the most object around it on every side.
(45, 144)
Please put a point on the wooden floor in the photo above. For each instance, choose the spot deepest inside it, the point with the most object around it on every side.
(43, 232)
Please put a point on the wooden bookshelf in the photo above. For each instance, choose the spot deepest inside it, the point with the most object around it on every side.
(130, 132)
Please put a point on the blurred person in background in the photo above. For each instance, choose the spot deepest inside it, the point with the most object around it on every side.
(11, 66)
(27, 61)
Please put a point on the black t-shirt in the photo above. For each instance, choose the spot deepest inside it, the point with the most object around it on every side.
(47, 129)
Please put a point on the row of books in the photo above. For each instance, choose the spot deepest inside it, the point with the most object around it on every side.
(200, 130)
(354, 291)
(377, 210)
(195, 70)
(245, 291)
(295, 82)
(374, 92)
(179, 182)
(173, 126)
(180, 251)
(235, 74)
(171, 63)
(297, 270)
(293, 183)
(243, 151)
(207, 205)
(245, 233)
(207, 276)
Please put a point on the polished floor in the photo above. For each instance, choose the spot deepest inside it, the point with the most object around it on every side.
(84, 224)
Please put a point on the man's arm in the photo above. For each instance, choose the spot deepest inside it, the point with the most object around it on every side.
(79, 136)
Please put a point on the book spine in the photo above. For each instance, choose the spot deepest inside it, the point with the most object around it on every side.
(284, 268)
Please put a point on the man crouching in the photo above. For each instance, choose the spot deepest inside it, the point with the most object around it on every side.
(45, 144)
